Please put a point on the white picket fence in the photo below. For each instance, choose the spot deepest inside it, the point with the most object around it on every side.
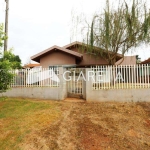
(121, 77)
(102, 77)
(36, 77)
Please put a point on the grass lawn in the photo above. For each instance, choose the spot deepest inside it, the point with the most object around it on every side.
(20, 117)
(59, 125)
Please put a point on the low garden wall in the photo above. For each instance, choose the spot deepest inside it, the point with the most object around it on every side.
(121, 95)
(52, 93)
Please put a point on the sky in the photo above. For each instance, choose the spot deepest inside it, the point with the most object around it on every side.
(35, 25)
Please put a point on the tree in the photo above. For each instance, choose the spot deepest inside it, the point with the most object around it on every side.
(8, 61)
(6, 76)
(118, 30)
(15, 61)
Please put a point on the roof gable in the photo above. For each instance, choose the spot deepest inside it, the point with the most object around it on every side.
(68, 46)
(95, 48)
(54, 48)
(127, 60)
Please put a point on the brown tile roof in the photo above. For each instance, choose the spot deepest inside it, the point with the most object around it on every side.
(30, 65)
(76, 43)
(147, 61)
(73, 44)
(53, 48)
(127, 60)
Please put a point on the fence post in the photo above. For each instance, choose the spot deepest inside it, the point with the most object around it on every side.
(89, 86)
(62, 84)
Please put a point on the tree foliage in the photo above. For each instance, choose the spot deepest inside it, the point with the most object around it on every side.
(2, 35)
(8, 61)
(5, 75)
(118, 30)
(14, 60)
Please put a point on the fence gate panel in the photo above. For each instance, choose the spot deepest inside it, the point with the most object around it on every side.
(76, 82)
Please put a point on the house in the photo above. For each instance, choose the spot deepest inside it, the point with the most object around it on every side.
(54, 81)
(127, 60)
(30, 66)
(145, 72)
(73, 54)
(147, 61)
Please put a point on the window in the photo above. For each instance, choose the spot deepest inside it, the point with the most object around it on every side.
(55, 69)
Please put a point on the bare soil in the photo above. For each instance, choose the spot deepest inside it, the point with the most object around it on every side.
(95, 126)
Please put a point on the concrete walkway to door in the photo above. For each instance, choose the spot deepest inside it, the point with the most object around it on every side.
(74, 100)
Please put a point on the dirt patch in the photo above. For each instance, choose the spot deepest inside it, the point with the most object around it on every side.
(95, 126)
(145, 106)
(92, 136)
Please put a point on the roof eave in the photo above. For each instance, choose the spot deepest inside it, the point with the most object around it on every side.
(38, 56)
(76, 43)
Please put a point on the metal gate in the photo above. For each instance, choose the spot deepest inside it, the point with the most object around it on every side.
(76, 82)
